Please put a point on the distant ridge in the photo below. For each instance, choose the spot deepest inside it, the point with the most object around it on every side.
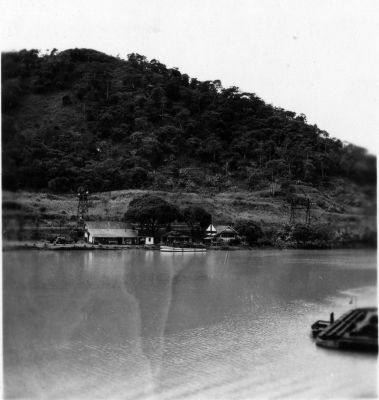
(81, 117)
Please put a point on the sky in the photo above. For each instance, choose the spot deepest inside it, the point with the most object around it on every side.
(317, 57)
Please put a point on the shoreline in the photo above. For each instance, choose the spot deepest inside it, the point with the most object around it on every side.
(72, 246)
(15, 245)
(33, 245)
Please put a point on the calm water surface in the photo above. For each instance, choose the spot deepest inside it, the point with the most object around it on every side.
(140, 324)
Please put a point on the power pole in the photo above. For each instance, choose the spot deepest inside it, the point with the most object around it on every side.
(308, 212)
(293, 212)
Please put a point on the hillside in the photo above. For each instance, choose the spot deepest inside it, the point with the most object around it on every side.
(347, 212)
(123, 128)
(80, 117)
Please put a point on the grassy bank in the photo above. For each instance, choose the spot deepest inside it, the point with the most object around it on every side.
(348, 210)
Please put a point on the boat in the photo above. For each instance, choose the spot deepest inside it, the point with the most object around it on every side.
(355, 330)
(183, 248)
(318, 327)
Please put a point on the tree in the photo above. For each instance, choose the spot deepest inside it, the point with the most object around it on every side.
(60, 184)
(275, 168)
(211, 148)
(135, 177)
(11, 94)
(150, 212)
(199, 125)
(315, 236)
(196, 216)
(250, 229)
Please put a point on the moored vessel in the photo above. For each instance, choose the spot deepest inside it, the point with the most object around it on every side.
(183, 248)
(355, 330)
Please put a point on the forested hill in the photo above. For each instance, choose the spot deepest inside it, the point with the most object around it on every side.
(80, 117)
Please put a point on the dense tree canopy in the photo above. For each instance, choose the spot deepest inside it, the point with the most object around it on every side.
(196, 216)
(80, 117)
(251, 230)
(151, 212)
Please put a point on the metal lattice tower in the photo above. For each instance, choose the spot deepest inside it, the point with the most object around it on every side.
(82, 213)
(295, 207)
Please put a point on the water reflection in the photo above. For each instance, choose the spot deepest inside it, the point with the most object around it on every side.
(139, 324)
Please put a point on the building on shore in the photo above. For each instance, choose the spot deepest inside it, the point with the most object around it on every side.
(178, 233)
(110, 232)
(148, 240)
(122, 233)
(224, 234)
(210, 234)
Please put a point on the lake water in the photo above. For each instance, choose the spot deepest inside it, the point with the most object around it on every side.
(139, 324)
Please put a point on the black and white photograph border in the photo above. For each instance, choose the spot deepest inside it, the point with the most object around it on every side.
(189, 203)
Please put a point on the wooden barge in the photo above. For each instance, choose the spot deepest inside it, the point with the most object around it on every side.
(354, 330)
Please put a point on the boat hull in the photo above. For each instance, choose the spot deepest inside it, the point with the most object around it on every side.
(172, 249)
(355, 330)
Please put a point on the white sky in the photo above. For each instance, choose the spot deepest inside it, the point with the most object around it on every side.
(317, 57)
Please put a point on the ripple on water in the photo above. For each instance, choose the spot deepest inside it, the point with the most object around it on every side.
(135, 327)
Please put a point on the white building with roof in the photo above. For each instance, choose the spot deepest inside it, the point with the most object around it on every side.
(110, 232)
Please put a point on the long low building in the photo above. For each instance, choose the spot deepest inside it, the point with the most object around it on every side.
(110, 232)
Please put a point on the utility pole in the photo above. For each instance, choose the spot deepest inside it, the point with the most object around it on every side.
(308, 212)
(292, 213)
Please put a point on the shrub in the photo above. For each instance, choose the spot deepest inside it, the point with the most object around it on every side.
(59, 185)
(304, 236)
(66, 100)
(305, 233)
(163, 182)
(251, 230)
(136, 177)
(369, 238)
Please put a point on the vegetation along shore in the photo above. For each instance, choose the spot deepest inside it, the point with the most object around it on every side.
(334, 222)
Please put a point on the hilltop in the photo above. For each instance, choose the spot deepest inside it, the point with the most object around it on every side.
(80, 117)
